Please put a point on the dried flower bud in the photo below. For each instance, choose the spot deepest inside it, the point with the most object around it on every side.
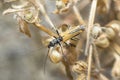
(26, 10)
(110, 33)
(55, 56)
(115, 25)
(31, 16)
(102, 41)
(96, 31)
(64, 27)
(60, 4)
(79, 67)
(23, 27)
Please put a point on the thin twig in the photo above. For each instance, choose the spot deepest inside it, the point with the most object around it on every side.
(49, 32)
(90, 26)
(46, 16)
(38, 4)
(89, 62)
(90, 23)
(78, 15)
(96, 56)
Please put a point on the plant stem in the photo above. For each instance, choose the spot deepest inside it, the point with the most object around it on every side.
(49, 32)
(89, 62)
(78, 15)
(90, 24)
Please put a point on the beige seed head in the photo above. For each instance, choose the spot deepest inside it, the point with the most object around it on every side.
(55, 56)
(102, 41)
(79, 67)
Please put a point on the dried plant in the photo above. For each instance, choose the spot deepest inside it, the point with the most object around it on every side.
(67, 43)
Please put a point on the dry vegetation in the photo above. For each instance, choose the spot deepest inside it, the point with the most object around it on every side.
(87, 46)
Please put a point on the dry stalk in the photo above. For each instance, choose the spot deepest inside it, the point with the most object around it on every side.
(68, 71)
(90, 23)
(43, 28)
(89, 62)
(96, 56)
(78, 15)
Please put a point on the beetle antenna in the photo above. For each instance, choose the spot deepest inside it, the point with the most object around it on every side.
(45, 61)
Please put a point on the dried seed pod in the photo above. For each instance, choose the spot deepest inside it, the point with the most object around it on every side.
(110, 33)
(64, 27)
(102, 41)
(79, 67)
(26, 10)
(59, 5)
(23, 26)
(31, 16)
(55, 56)
(96, 31)
(62, 6)
(115, 25)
